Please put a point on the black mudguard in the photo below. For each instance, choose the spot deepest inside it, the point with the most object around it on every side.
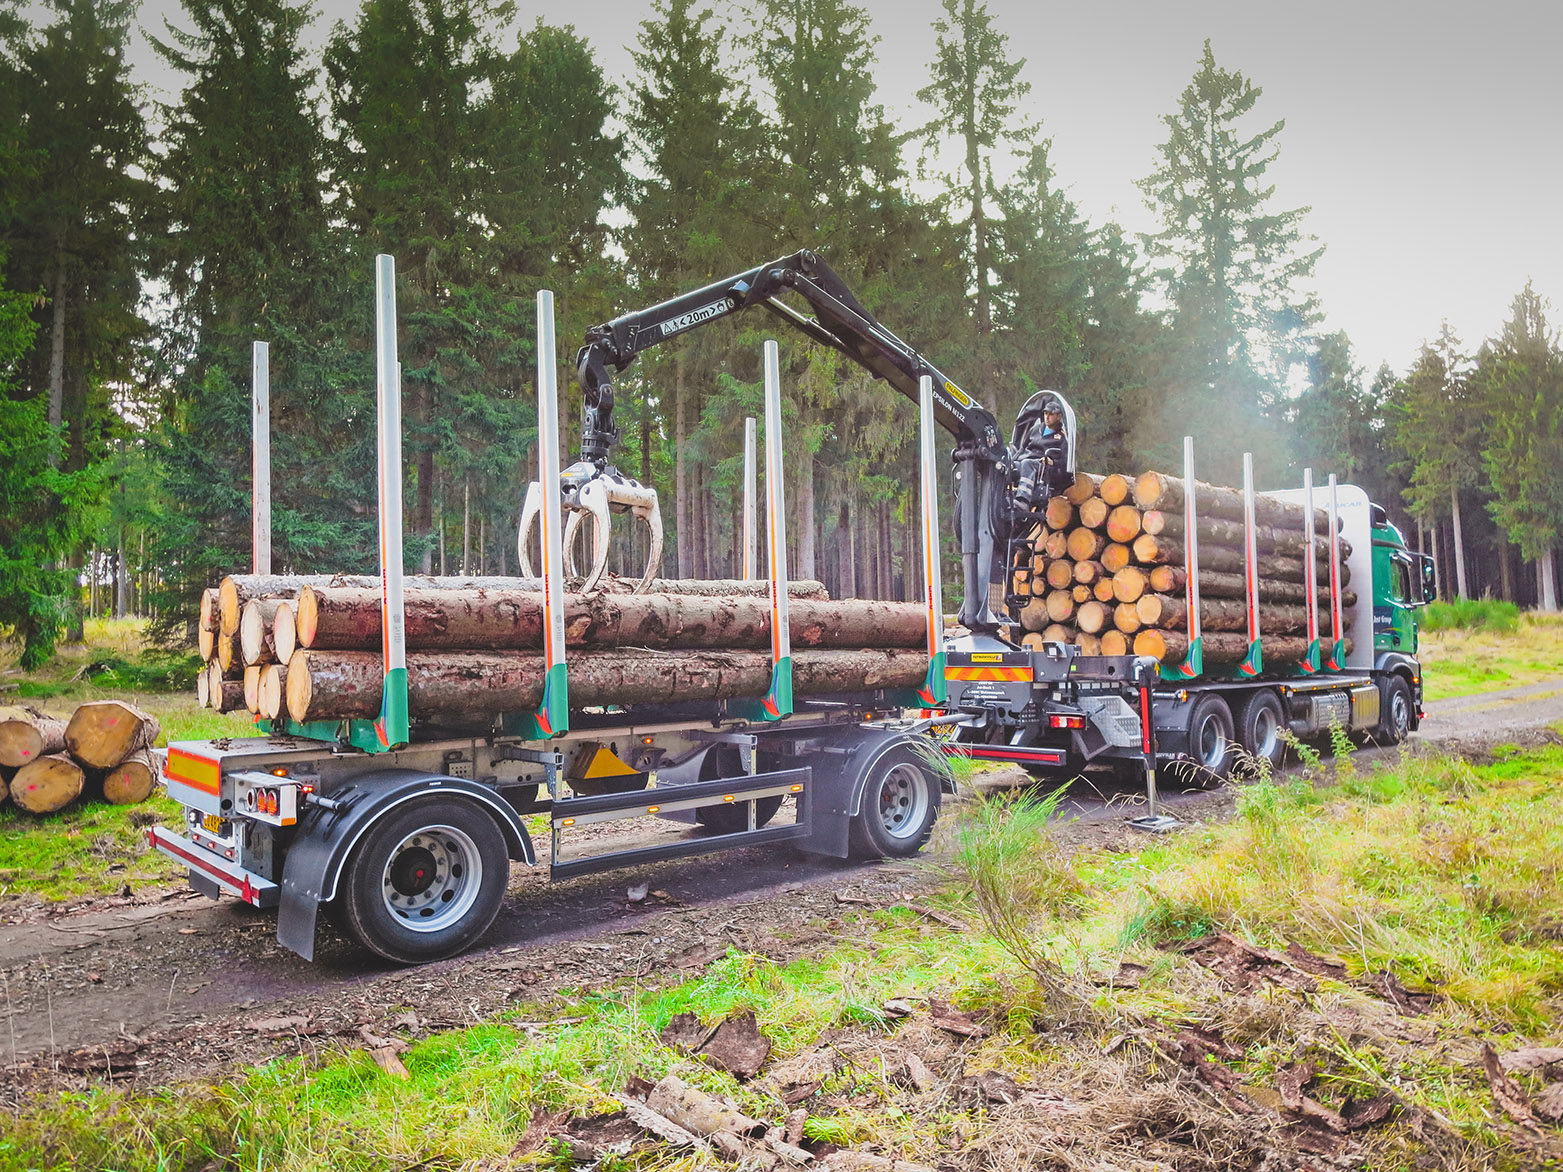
(326, 838)
(840, 775)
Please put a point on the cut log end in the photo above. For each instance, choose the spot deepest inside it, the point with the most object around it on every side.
(48, 784)
(102, 733)
(132, 780)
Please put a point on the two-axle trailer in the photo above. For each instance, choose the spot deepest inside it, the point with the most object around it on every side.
(404, 833)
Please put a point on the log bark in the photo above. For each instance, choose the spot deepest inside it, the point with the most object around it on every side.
(1115, 489)
(1093, 513)
(1083, 489)
(1150, 550)
(1123, 523)
(1171, 579)
(1060, 574)
(471, 687)
(255, 630)
(237, 589)
(47, 784)
(350, 619)
(1092, 617)
(132, 780)
(27, 734)
(1172, 647)
(1116, 556)
(1155, 490)
(1130, 583)
(102, 733)
(1269, 539)
(1060, 513)
(1115, 643)
(1225, 614)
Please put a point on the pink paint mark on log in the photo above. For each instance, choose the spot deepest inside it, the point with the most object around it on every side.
(27, 752)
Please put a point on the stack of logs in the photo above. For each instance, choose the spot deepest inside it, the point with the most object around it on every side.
(103, 749)
(309, 648)
(1106, 571)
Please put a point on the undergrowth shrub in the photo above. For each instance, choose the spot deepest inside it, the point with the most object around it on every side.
(1472, 614)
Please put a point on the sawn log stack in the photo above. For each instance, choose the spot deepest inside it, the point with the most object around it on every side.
(309, 648)
(1106, 570)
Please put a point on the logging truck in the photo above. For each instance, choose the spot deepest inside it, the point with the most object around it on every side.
(409, 753)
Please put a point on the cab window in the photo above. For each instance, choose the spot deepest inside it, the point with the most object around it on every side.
(1399, 581)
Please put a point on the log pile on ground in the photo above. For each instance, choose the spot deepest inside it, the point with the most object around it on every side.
(309, 648)
(1106, 570)
(103, 749)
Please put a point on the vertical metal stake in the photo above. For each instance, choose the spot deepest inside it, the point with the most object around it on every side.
(260, 458)
(392, 726)
(934, 691)
(751, 491)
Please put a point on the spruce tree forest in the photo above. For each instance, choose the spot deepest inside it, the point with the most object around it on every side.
(144, 247)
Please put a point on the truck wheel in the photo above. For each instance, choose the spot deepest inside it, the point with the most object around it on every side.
(731, 817)
(1394, 722)
(1260, 724)
(426, 882)
(899, 806)
(1210, 740)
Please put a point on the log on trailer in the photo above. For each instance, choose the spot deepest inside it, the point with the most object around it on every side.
(255, 630)
(1268, 539)
(1224, 614)
(346, 618)
(1212, 584)
(1173, 646)
(473, 687)
(1157, 490)
(27, 734)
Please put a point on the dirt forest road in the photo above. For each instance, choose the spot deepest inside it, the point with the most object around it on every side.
(185, 987)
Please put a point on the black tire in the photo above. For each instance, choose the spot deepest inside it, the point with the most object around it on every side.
(1260, 725)
(731, 817)
(900, 804)
(425, 882)
(1394, 721)
(1210, 740)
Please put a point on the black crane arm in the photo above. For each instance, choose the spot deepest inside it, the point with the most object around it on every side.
(840, 321)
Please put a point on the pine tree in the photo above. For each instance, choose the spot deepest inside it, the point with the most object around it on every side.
(248, 254)
(1232, 270)
(977, 91)
(1519, 382)
(1437, 434)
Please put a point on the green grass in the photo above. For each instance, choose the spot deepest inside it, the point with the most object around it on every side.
(1439, 871)
(87, 849)
(1460, 661)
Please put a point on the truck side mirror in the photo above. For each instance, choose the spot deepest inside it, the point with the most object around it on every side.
(1429, 577)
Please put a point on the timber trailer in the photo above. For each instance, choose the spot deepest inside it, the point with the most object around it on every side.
(405, 834)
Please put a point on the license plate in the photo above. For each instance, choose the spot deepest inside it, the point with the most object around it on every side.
(212, 824)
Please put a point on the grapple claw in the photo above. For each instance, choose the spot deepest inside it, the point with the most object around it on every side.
(597, 494)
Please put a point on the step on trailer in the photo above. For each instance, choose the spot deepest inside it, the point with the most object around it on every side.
(405, 835)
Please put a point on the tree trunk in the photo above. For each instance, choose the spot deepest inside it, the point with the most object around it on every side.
(102, 733)
(1220, 614)
(1506, 569)
(26, 735)
(57, 352)
(1548, 580)
(471, 687)
(48, 784)
(350, 619)
(1459, 544)
(1150, 550)
(1171, 579)
(805, 513)
(1217, 530)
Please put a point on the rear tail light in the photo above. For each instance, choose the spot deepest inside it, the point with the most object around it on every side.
(1058, 721)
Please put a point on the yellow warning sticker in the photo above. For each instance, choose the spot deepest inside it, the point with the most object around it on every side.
(987, 657)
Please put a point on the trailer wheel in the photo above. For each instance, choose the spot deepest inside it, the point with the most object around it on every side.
(1394, 723)
(426, 882)
(1260, 728)
(899, 806)
(1210, 739)
(731, 817)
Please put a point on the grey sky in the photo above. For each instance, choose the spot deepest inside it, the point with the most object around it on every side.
(1427, 138)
